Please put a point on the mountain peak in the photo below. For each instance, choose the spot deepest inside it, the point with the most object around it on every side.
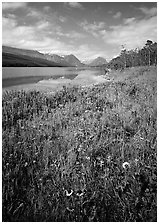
(73, 60)
(99, 61)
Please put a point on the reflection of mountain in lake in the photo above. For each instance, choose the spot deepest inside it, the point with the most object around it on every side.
(23, 77)
(33, 79)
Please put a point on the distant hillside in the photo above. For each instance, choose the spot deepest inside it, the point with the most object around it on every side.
(87, 62)
(21, 58)
(13, 60)
(18, 51)
(98, 62)
(58, 59)
(71, 59)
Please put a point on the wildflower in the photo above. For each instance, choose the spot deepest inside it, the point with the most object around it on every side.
(126, 165)
(70, 210)
(25, 164)
(101, 163)
(109, 159)
(69, 194)
(80, 148)
(80, 193)
(136, 161)
(34, 161)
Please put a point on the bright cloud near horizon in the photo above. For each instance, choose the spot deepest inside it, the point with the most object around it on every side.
(85, 29)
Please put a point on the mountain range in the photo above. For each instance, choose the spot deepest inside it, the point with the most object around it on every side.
(16, 57)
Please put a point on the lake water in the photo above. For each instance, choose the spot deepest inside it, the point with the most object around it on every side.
(14, 76)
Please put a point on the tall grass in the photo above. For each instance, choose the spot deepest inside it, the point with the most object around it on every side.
(82, 154)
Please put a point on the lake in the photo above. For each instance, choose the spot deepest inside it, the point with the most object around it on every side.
(16, 76)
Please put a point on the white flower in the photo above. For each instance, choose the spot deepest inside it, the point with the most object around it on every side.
(126, 165)
(80, 194)
(69, 194)
(101, 163)
(70, 210)
(109, 159)
(136, 161)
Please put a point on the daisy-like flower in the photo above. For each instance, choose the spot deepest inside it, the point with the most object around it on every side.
(126, 165)
(101, 163)
(68, 194)
(109, 159)
(136, 161)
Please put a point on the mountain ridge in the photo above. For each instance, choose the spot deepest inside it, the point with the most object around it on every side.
(99, 61)
(12, 56)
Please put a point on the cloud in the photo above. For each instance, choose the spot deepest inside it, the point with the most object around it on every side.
(117, 15)
(33, 36)
(129, 20)
(92, 28)
(62, 19)
(34, 13)
(40, 36)
(47, 8)
(13, 5)
(10, 15)
(74, 5)
(73, 35)
(38, 15)
(133, 33)
(148, 11)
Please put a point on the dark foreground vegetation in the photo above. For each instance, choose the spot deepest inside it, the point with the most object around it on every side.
(82, 154)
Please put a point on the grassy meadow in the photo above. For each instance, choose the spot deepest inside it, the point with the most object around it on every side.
(84, 154)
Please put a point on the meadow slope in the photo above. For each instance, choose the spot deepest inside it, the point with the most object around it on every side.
(82, 153)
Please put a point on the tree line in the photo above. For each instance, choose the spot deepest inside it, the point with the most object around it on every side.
(147, 55)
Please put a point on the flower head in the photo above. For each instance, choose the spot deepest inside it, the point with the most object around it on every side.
(126, 165)
(109, 159)
(25, 164)
(68, 194)
(80, 193)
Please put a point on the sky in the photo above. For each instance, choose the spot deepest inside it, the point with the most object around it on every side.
(85, 29)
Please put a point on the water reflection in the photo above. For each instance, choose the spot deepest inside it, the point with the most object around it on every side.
(33, 79)
(25, 76)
